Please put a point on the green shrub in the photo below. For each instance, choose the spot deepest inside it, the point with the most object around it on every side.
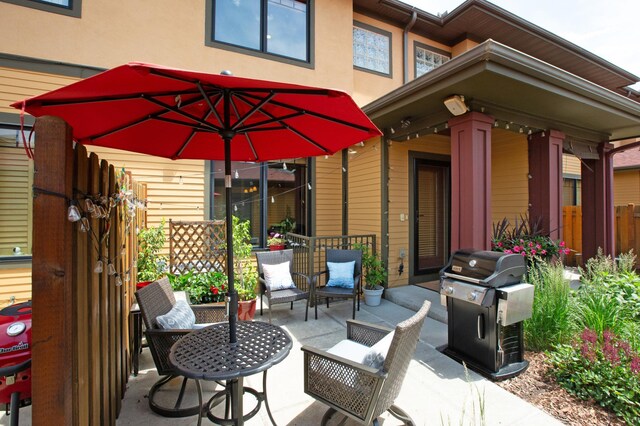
(601, 367)
(150, 264)
(203, 287)
(550, 320)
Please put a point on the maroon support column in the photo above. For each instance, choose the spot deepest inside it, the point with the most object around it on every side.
(597, 204)
(471, 181)
(545, 184)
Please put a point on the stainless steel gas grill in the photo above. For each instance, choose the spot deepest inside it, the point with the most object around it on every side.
(486, 303)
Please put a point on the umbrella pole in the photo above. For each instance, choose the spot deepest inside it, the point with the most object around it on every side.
(233, 294)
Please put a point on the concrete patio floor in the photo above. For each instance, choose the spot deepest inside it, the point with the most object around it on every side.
(436, 391)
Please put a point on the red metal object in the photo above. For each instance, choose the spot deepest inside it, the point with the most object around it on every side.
(15, 356)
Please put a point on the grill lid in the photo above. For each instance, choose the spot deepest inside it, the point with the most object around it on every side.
(485, 268)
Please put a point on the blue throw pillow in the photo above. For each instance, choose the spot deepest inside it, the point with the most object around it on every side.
(181, 316)
(341, 274)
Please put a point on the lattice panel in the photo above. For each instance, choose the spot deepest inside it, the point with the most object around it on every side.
(197, 246)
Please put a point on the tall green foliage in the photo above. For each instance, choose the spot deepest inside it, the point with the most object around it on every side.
(550, 321)
(245, 273)
(151, 265)
(374, 271)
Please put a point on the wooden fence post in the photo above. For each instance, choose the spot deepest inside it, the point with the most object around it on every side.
(52, 287)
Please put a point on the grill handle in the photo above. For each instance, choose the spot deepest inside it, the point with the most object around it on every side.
(480, 326)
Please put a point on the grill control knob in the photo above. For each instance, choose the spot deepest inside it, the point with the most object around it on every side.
(472, 296)
(448, 290)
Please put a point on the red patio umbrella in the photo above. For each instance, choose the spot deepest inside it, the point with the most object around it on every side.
(176, 114)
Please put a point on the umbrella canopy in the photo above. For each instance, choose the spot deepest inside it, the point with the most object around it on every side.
(174, 113)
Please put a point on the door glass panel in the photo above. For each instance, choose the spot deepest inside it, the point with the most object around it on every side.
(432, 236)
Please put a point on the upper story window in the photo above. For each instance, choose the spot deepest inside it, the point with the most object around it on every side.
(16, 179)
(275, 27)
(428, 58)
(371, 49)
(63, 7)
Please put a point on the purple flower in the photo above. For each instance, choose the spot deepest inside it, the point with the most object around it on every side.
(635, 365)
(589, 336)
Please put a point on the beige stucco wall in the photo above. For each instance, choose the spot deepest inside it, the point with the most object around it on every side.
(171, 33)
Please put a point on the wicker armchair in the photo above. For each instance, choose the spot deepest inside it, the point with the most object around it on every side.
(357, 390)
(320, 291)
(157, 299)
(288, 295)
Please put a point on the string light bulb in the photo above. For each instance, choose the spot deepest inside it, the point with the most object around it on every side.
(236, 174)
(111, 270)
(309, 186)
(235, 208)
(284, 166)
(273, 200)
(521, 130)
(506, 126)
(495, 123)
(98, 267)
(73, 214)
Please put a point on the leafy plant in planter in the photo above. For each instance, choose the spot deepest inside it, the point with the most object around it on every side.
(151, 265)
(203, 287)
(245, 273)
(375, 275)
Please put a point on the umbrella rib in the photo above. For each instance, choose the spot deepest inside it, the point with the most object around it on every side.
(59, 102)
(253, 110)
(182, 123)
(212, 107)
(184, 114)
(253, 150)
(315, 114)
(188, 140)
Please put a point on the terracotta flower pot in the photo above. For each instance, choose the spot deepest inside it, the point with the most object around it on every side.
(246, 310)
(277, 247)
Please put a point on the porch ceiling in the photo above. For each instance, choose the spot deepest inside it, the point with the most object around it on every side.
(513, 87)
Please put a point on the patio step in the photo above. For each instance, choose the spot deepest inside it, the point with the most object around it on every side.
(412, 297)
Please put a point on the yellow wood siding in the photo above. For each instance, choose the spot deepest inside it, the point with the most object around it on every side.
(16, 178)
(509, 180)
(328, 195)
(167, 198)
(626, 187)
(15, 282)
(570, 165)
(364, 189)
(399, 199)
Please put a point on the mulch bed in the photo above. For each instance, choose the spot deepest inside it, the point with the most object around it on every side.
(536, 387)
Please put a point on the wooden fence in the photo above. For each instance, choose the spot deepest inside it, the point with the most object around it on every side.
(80, 351)
(626, 228)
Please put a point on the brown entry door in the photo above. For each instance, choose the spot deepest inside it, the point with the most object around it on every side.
(431, 216)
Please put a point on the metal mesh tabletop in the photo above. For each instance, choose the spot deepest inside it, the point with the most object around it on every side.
(207, 354)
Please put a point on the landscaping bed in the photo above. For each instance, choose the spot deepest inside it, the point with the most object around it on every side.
(541, 390)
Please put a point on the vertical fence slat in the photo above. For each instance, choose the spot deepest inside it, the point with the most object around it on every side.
(112, 319)
(52, 284)
(81, 297)
(103, 323)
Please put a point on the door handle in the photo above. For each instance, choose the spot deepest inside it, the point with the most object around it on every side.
(480, 326)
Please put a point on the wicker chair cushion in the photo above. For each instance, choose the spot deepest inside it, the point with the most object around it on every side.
(181, 316)
(373, 356)
(278, 276)
(341, 274)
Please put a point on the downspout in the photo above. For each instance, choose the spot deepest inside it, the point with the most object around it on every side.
(405, 51)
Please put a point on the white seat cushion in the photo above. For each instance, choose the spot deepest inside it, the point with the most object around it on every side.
(373, 356)
(278, 276)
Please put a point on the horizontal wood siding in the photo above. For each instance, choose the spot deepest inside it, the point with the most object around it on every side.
(509, 179)
(15, 282)
(364, 190)
(626, 187)
(399, 198)
(167, 198)
(328, 195)
(16, 85)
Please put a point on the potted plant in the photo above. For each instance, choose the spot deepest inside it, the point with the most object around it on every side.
(151, 266)
(375, 275)
(276, 241)
(203, 287)
(246, 275)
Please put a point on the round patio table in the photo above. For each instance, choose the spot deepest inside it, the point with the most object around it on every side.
(206, 354)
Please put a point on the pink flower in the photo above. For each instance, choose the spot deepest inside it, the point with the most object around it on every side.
(543, 252)
(508, 251)
(516, 249)
(523, 254)
(567, 251)
(500, 244)
(635, 365)
(530, 244)
(538, 246)
(533, 252)
(561, 243)
(589, 336)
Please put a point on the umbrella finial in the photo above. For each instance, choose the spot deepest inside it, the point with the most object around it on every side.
(226, 72)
